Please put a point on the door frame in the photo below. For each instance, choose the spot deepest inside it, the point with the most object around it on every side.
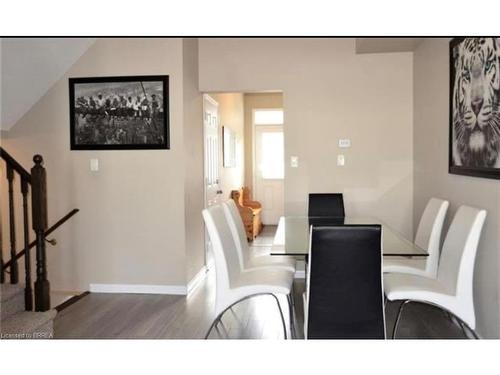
(207, 97)
(254, 156)
(254, 148)
(215, 103)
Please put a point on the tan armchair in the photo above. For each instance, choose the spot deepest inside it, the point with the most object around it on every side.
(249, 211)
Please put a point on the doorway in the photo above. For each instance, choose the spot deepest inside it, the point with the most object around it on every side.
(269, 163)
(243, 131)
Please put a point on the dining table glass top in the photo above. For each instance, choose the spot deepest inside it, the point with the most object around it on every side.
(292, 236)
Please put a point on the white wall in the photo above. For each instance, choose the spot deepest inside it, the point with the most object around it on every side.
(329, 92)
(431, 132)
(231, 116)
(193, 151)
(131, 228)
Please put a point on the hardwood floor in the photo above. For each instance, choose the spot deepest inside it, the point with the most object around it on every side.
(145, 316)
(170, 317)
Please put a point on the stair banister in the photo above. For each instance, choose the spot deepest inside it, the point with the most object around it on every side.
(14, 267)
(39, 219)
(37, 182)
(28, 292)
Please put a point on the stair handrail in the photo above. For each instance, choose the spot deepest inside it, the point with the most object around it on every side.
(32, 244)
(15, 165)
(37, 181)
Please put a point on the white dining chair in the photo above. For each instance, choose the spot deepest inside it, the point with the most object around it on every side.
(247, 260)
(452, 290)
(232, 284)
(428, 238)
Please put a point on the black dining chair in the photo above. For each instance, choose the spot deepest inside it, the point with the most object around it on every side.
(326, 205)
(345, 294)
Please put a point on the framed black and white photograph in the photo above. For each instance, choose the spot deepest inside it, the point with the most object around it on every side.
(228, 147)
(474, 148)
(119, 113)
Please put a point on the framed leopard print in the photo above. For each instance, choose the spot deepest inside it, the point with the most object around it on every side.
(475, 107)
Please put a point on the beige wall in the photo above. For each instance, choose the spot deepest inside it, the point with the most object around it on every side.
(193, 151)
(231, 115)
(131, 228)
(329, 92)
(256, 101)
(431, 106)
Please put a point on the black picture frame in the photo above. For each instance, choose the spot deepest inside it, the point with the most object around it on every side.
(473, 171)
(161, 121)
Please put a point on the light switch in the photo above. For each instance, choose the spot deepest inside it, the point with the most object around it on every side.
(340, 160)
(294, 161)
(94, 165)
(344, 143)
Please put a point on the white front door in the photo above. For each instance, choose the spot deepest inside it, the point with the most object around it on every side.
(269, 172)
(211, 146)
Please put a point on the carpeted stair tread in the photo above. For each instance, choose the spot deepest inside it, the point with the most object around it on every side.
(27, 322)
(10, 290)
(12, 300)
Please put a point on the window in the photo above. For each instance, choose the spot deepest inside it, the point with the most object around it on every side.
(272, 154)
(268, 117)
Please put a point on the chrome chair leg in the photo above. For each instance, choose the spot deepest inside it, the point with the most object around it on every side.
(282, 318)
(466, 328)
(474, 334)
(219, 331)
(223, 327)
(217, 319)
(398, 318)
(454, 319)
(292, 315)
(463, 325)
(214, 323)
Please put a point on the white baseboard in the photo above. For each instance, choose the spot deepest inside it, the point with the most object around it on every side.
(161, 289)
(300, 274)
(196, 280)
(138, 289)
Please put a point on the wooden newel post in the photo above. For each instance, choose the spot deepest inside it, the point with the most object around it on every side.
(39, 218)
(28, 291)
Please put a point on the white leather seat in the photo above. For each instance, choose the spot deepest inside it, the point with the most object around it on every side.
(428, 238)
(452, 290)
(247, 260)
(232, 284)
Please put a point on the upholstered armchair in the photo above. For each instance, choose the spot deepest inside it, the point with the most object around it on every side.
(249, 210)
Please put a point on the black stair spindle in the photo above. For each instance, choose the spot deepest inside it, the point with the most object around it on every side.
(39, 218)
(14, 268)
(28, 292)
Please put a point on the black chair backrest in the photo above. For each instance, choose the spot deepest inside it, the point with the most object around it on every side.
(345, 283)
(329, 205)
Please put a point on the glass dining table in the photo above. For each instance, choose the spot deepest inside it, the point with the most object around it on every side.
(292, 236)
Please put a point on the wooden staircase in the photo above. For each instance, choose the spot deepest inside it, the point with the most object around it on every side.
(17, 302)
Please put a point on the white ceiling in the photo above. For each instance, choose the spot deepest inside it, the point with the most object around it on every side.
(29, 68)
(385, 45)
